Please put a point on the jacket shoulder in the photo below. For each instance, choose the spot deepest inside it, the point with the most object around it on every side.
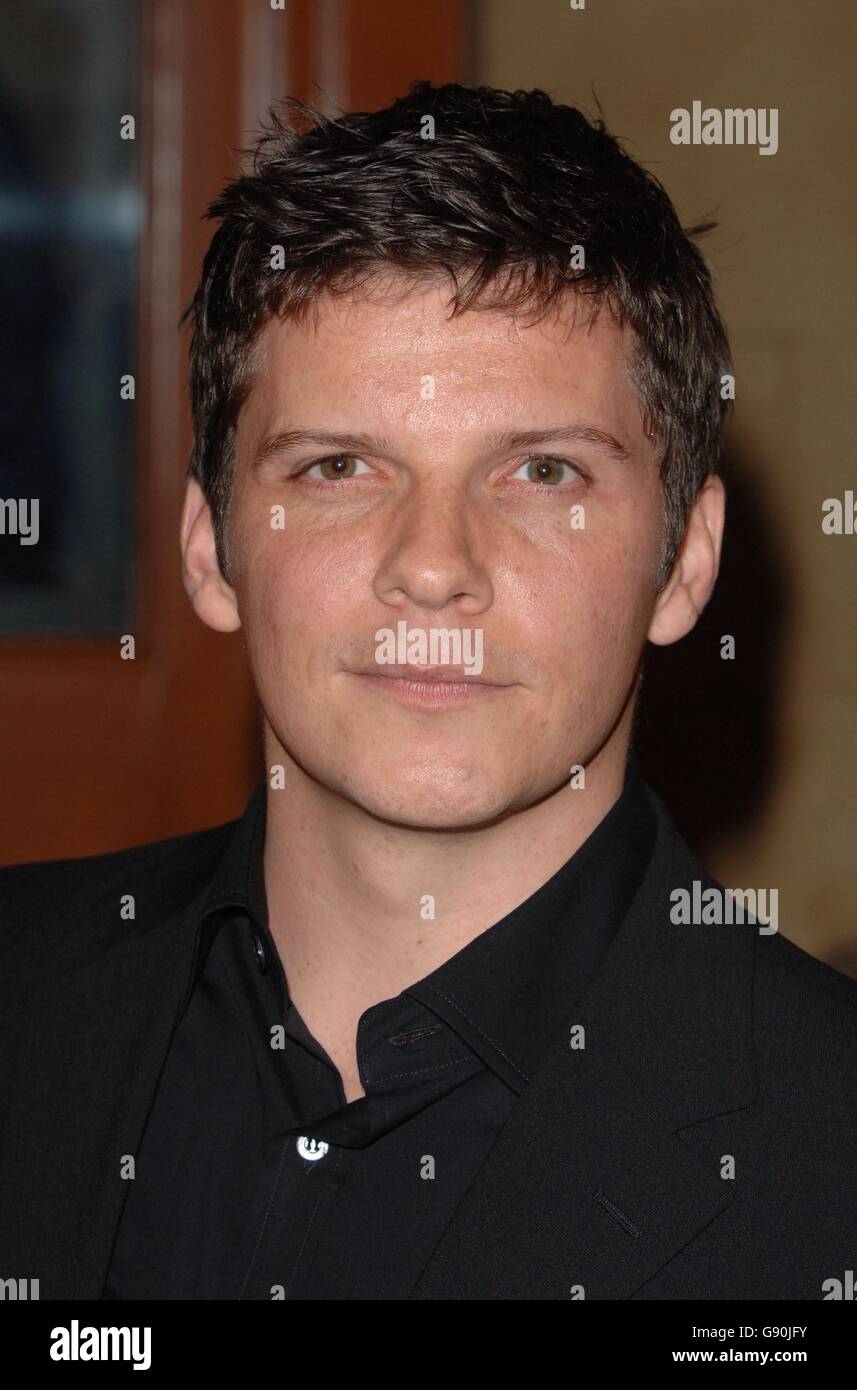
(804, 1010)
(787, 976)
(51, 909)
(805, 1047)
(791, 975)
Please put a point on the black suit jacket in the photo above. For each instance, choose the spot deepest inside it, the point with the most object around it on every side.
(703, 1044)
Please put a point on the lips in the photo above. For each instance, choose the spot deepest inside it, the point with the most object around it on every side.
(450, 675)
(429, 689)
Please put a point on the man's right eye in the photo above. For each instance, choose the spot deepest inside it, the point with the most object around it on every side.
(336, 466)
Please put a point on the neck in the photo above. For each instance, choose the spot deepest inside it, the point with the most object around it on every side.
(360, 909)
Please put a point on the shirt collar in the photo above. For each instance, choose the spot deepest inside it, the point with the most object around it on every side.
(510, 990)
(239, 881)
(238, 884)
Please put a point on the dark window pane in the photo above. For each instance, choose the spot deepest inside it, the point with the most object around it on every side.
(71, 213)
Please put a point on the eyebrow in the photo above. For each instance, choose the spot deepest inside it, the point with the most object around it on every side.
(576, 432)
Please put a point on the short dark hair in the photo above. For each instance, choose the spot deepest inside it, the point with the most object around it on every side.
(508, 184)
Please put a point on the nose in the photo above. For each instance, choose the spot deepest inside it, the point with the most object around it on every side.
(436, 555)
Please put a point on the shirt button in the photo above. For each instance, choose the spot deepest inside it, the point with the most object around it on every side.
(312, 1148)
(259, 953)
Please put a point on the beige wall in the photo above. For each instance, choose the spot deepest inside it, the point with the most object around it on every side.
(778, 754)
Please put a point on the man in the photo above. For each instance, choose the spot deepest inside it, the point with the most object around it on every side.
(430, 1019)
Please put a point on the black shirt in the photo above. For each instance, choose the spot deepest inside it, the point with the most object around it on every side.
(256, 1179)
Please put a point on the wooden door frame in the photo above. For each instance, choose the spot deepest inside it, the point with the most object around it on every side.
(98, 752)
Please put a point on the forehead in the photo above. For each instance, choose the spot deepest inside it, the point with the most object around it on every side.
(392, 350)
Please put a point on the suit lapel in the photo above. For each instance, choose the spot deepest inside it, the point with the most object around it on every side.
(590, 1186)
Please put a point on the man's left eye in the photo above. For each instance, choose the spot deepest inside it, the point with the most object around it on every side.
(542, 469)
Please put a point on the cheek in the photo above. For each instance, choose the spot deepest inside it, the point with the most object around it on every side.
(294, 595)
(591, 597)
(590, 646)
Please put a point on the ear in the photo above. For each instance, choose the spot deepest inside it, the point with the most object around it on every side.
(696, 567)
(213, 599)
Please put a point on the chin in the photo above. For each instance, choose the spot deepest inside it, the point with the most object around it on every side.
(440, 804)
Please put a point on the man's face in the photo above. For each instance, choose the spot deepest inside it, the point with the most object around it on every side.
(437, 525)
